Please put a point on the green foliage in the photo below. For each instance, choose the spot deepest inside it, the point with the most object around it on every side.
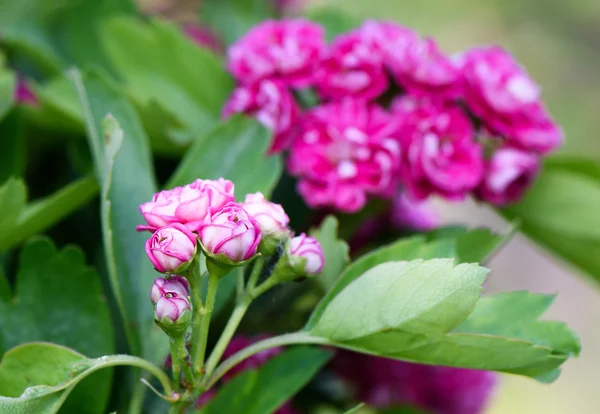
(162, 67)
(13, 154)
(8, 82)
(267, 388)
(37, 377)
(333, 20)
(124, 169)
(560, 212)
(474, 245)
(59, 299)
(22, 220)
(236, 150)
(335, 250)
(231, 19)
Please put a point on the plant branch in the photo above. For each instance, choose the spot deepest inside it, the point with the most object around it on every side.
(205, 313)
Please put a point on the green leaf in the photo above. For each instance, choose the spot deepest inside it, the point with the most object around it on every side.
(566, 222)
(13, 155)
(8, 82)
(124, 169)
(162, 66)
(37, 377)
(355, 410)
(58, 298)
(13, 195)
(41, 214)
(333, 20)
(235, 150)
(231, 19)
(335, 250)
(422, 297)
(58, 108)
(266, 389)
(461, 244)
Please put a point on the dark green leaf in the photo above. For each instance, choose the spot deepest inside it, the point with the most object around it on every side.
(8, 82)
(423, 297)
(58, 298)
(161, 65)
(37, 377)
(333, 20)
(266, 389)
(42, 214)
(560, 212)
(12, 157)
(335, 250)
(124, 169)
(231, 19)
(461, 244)
(236, 150)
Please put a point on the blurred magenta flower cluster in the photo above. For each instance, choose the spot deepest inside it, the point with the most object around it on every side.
(391, 113)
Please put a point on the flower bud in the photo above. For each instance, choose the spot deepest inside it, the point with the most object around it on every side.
(231, 235)
(176, 285)
(171, 249)
(272, 220)
(302, 257)
(173, 314)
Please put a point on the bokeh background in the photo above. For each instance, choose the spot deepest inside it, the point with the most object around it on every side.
(559, 43)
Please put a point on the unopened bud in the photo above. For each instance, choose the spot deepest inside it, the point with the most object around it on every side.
(173, 314)
(174, 284)
(171, 249)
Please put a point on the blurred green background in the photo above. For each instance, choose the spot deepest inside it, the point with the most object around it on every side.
(559, 43)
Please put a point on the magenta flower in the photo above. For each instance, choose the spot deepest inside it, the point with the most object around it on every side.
(412, 214)
(171, 247)
(350, 68)
(188, 205)
(23, 94)
(384, 383)
(503, 95)
(508, 174)
(286, 50)
(171, 306)
(273, 106)
(203, 37)
(344, 152)
(270, 216)
(176, 285)
(231, 231)
(308, 248)
(440, 153)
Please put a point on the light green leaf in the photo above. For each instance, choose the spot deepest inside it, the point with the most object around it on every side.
(231, 19)
(42, 214)
(8, 82)
(421, 297)
(13, 195)
(58, 298)
(560, 212)
(266, 389)
(235, 150)
(335, 250)
(333, 20)
(37, 377)
(161, 65)
(124, 169)
(474, 245)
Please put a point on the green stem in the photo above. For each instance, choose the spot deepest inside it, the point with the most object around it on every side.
(182, 356)
(198, 361)
(263, 287)
(232, 325)
(175, 364)
(240, 282)
(277, 341)
(258, 265)
(195, 280)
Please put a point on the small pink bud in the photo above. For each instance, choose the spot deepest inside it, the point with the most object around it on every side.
(231, 231)
(175, 285)
(310, 249)
(171, 306)
(270, 216)
(171, 247)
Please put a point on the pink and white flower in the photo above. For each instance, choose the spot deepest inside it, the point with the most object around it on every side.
(351, 69)
(171, 306)
(23, 94)
(308, 248)
(231, 231)
(440, 153)
(287, 50)
(270, 216)
(188, 205)
(170, 247)
(273, 106)
(500, 92)
(176, 285)
(508, 174)
(345, 151)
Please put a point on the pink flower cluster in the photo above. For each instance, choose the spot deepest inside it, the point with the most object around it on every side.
(394, 113)
(384, 383)
(206, 211)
